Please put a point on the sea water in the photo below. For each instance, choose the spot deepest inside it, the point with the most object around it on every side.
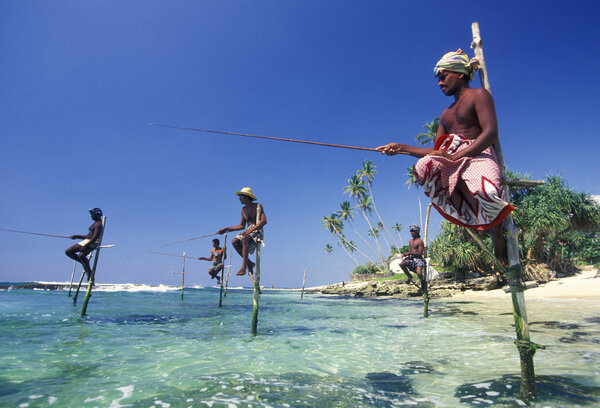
(148, 347)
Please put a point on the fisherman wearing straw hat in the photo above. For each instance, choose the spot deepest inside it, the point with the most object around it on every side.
(80, 251)
(245, 242)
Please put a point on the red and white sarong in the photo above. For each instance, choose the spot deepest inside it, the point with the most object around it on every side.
(479, 205)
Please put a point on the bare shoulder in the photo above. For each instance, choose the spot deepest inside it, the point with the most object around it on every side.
(481, 95)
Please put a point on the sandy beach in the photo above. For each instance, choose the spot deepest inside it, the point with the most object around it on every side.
(584, 286)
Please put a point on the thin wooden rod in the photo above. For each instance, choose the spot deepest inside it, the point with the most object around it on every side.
(35, 233)
(175, 255)
(371, 149)
(171, 243)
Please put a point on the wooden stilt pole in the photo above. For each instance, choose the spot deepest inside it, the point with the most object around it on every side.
(514, 273)
(227, 277)
(72, 274)
(78, 287)
(303, 283)
(222, 271)
(183, 275)
(256, 297)
(92, 278)
(424, 273)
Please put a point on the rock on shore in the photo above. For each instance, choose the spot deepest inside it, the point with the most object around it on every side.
(439, 288)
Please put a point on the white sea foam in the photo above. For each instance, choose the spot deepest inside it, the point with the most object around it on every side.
(127, 392)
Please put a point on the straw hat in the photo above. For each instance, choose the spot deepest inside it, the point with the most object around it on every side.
(247, 191)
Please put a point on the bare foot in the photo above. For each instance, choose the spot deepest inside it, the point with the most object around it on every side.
(241, 272)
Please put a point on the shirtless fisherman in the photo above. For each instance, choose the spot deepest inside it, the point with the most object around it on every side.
(245, 242)
(80, 251)
(413, 260)
(217, 255)
(460, 173)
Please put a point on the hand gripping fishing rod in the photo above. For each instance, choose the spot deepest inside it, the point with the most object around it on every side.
(371, 149)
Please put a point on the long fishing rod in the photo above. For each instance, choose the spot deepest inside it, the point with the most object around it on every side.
(35, 233)
(175, 255)
(171, 243)
(371, 149)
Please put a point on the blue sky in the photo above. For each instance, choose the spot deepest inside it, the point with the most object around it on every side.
(81, 80)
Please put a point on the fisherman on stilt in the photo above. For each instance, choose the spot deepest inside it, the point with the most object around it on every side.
(245, 243)
(413, 259)
(80, 251)
(217, 255)
(460, 173)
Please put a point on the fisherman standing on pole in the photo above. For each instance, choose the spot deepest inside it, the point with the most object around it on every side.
(217, 254)
(460, 173)
(81, 250)
(245, 243)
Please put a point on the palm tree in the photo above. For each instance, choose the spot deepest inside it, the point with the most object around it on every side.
(373, 232)
(365, 204)
(367, 172)
(550, 212)
(329, 249)
(335, 227)
(346, 214)
(355, 188)
(428, 137)
(412, 179)
(397, 227)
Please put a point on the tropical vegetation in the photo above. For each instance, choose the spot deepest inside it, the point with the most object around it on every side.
(559, 228)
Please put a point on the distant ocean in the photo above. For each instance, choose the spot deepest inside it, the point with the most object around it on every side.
(143, 346)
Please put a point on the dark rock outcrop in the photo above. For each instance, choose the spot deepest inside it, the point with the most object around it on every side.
(394, 288)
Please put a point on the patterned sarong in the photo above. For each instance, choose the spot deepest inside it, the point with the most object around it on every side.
(412, 262)
(479, 205)
(215, 265)
(256, 236)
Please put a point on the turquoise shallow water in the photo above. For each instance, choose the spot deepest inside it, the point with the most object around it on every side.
(151, 349)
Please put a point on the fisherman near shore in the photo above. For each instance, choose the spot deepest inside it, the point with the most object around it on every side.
(245, 243)
(217, 255)
(460, 173)
(413, 259)
(81, 250)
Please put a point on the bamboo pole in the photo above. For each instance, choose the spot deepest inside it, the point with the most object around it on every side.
(78, 287)
(514, 273)
(256, 297)
(182, 275)
(222, 271)
(227, 277)
(303, 282)
(72, 275)
(424, 283)
(92, 278)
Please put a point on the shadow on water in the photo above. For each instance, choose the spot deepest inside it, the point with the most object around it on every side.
(557, 325)
(139, 319)
(593, 320)
(455, 311)
(295, 389)
(553, 390)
